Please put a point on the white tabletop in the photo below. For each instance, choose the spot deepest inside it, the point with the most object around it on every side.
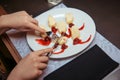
(20, 43)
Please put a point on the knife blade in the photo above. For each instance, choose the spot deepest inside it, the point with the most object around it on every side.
(49, 33)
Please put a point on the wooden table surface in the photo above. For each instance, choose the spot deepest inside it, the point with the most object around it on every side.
(106, 13)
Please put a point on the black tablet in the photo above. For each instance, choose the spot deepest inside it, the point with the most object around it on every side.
(94, 64)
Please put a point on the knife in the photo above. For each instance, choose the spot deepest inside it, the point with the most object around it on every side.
(49, 33)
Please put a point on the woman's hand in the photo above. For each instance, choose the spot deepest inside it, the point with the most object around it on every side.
(21, 21)
(31, 66)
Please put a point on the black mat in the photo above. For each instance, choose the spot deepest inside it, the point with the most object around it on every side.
(91, 65)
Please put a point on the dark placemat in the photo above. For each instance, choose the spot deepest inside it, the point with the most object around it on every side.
(94, 64)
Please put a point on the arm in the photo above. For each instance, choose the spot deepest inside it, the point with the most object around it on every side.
(31, 66)
(20, 20)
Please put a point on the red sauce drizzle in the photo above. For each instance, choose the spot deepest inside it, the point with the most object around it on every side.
(54, 30)
(63, 47)
(55, 46)
(82, 27)
(67, 35)
(44, 42)
(78, 41)
(71, 24)
(62, 50)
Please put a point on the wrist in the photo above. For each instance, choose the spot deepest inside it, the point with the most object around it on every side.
(3, 26)
(3, 22)
(14, 76)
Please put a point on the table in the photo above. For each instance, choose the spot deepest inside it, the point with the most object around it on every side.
(24, 49)
(106, 17)
(102, 27)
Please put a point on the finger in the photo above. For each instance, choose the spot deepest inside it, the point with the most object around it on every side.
(34, 21)
(39, 73)
(41, 30)
(25, 29)
(42, 66)
(43, 59)
(43, 51)
(37, 28)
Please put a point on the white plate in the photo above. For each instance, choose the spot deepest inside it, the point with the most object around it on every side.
(80, 17)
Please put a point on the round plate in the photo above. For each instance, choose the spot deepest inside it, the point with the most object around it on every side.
(80, 17)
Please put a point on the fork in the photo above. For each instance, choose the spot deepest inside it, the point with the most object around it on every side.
(54, 36)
